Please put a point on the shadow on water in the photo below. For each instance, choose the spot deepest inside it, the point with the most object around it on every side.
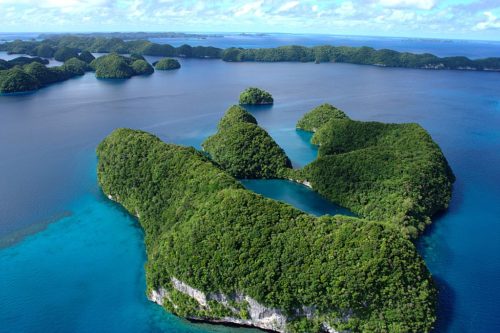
(258, 108)
(445, 310)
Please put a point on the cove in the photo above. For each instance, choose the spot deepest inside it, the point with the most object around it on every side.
(296, 195)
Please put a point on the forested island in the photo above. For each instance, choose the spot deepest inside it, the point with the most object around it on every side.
(393, 173)
(327, 53)
(218, 252)
(255, 96)
(26, 74)
(35, 74)
(385, 172)
(232, 256)
(166, 64)
(245, 150)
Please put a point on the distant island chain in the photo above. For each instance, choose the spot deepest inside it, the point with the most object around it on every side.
(217, 252)
(17, 76)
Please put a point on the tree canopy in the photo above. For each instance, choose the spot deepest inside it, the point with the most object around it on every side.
(391, 172)
(244, 149)
(255, 96)
(203, 228)
(318, 116)
(115, 66)
(167, 64)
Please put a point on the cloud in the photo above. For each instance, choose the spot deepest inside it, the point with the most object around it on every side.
(249, 8)
(287, 6)
(491, 22)
(478, 18)
(410, 4)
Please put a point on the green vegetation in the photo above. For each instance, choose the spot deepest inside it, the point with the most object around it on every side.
(21, 61)
(16, 80)
(86, 56)
(166, 64)
(62, 43)
(65, 53)
(203, 228)
(255, 96)
(318, 116)
(358, 55)
(344, 54)
(76, 66)
(43, 50)
(236, 114)
(114, 66)
(35, 75)
(244, 149)
(142, 67)
(385, 172)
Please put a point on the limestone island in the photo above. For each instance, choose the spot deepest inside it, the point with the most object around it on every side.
(244, 149)
(67, 45)
(217, 252)
(255, 96)
(115, 66)
(384, 172)
(35, 74)
(166, 64)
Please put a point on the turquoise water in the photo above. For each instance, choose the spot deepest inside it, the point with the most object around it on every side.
(296, 195)
(84, 271)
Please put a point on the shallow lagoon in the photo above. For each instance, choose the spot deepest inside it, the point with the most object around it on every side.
(84, 272)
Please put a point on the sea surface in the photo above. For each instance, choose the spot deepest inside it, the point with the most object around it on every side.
(72, 261)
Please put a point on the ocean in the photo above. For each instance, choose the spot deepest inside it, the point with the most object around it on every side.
(72, 261)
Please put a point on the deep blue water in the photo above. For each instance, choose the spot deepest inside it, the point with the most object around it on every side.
(81, 267)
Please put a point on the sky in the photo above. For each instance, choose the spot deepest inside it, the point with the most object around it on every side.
(460, 19)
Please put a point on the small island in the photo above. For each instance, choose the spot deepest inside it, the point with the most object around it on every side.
(115, 66)
(166, 64)
(255, 96)
(232, 256)
(244, 149)
(34, 75)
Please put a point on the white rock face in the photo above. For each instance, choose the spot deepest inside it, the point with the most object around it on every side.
(260, 315)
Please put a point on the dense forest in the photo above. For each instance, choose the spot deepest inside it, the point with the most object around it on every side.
(30, 74)
(203, 228)
(244, 149)
(114, 66)
(255, 96)
(63, 45)
(359, 55)
(385, 172)
(26, 74)
(166, 64)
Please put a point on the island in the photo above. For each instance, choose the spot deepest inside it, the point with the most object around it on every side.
(394, 173)
(35, 75)
(69, 44)
(220, 253)
(245, 150)
(166, 64)
(384, 172)
(255, 96)
(318, 116)
(115, 66)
